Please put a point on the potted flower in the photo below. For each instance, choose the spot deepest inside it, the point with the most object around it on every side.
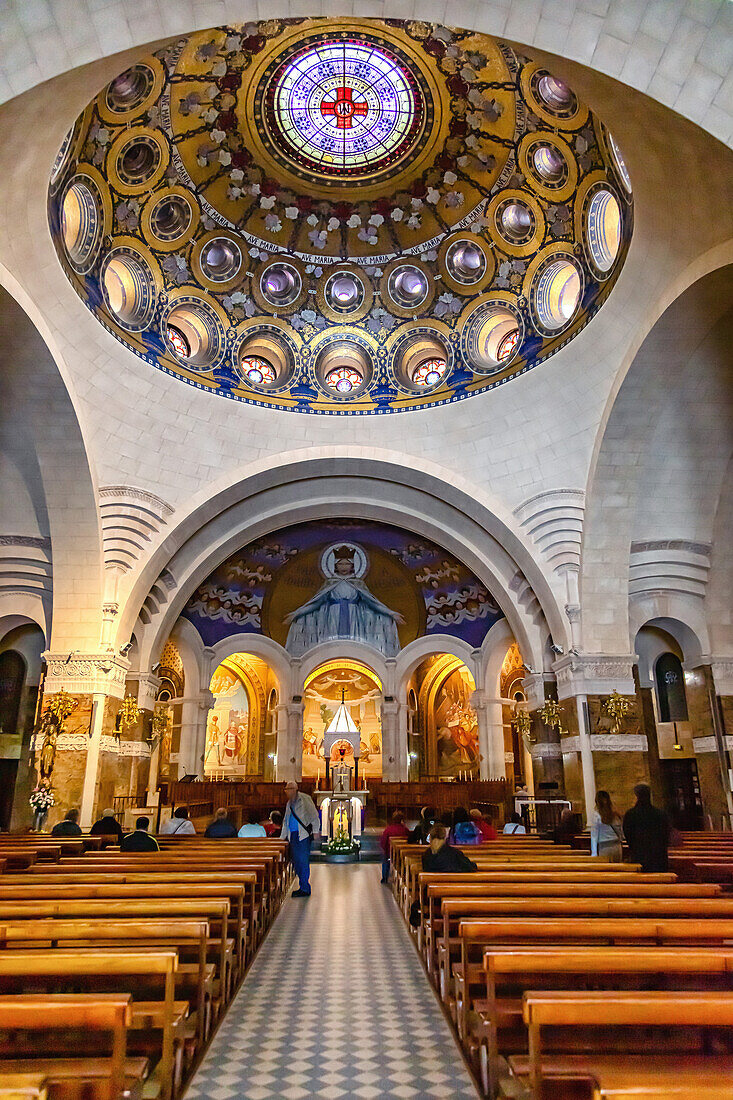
(41, 801)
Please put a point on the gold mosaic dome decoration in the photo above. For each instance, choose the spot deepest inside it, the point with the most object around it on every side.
(340, 216)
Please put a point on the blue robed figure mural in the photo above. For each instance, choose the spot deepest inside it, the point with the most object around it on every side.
(343, 607)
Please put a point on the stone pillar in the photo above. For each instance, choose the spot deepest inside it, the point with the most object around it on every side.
(290, 742)
(490, 716)
(192, 745)
(93, 679)
(89, 790)
(547, 766)
(395, 761)
(586, 756)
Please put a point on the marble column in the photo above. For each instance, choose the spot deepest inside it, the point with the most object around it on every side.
(289, 742)
(86, 815)
(395, 760)
(490, 717)
(586, 756)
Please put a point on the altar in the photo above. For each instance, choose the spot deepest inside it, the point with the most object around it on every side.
(341, 809)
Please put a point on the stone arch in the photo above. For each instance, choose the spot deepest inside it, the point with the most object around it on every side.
(348, 650)
(682, 369)
(360, 484)
(416, 652)
(56, 470)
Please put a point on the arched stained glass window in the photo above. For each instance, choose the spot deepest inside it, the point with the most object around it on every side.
(429, 373)
(178, 342)
(344, 379)
(258, 370)
(670, 689)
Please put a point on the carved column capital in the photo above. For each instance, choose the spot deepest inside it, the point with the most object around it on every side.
(86, 673)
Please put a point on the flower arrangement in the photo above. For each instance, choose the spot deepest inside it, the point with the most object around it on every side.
(341, 844)
(42, 799)
(616, 707)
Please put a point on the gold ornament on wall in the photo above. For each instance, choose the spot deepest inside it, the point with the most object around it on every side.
(522, 723)
(616, 707)
(551, 715)
(127, 715)
(159, 721)
(57, 709)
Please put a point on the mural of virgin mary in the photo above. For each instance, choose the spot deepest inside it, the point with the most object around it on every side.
(343, 607)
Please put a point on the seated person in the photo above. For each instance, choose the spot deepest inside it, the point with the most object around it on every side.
(442, 857)
(108, 825)
(566, 828)
(179, 824)
(221, 828)
(421, 832)
(463, 830)
(140, 840)
(274, 823)
(487, 830)
(398, 828)
(514, 826)
(253, 827)
(69, 826)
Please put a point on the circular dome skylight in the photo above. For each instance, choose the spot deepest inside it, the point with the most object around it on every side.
(413, 212)
(603, 229)
(129, 89)
(221, 259)
(345, 107)
(466, 262)
(557, 293)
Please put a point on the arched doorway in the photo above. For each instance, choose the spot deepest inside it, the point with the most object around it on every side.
(362, 692)
(445, 742)
(238, 724)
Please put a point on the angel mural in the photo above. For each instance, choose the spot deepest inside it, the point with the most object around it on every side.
(343, 607)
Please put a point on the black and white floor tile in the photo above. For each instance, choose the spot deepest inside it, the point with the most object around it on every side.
(336, 1004)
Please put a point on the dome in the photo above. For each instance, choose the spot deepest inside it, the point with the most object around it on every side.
(330, 183)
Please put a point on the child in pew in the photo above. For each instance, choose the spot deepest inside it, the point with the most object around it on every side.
(605, 830)
(396, 828)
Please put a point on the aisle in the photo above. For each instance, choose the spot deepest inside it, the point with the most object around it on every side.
(336, 1004)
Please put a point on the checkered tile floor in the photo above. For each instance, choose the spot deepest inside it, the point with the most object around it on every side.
(336, 1004)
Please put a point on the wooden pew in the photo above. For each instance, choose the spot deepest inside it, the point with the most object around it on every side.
(433, 889)
(624, 1009)
(19, 966)
(92, 889)
(62, 1012)
(214, 910)
(63, 935)
(187, 881)
(447, 941)
(527, 968)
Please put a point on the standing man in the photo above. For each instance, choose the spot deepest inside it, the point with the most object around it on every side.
(300, 824)
(647, 832)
